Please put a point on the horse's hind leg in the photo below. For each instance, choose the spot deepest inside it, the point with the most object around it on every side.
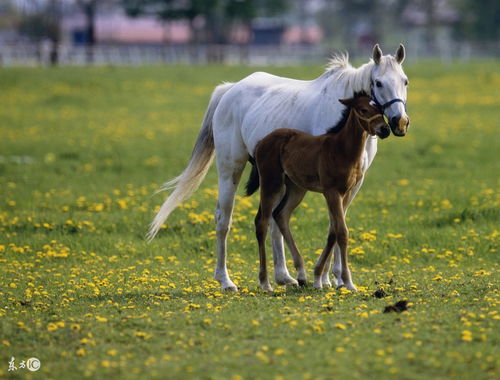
(281, 214)
(281, 274)
(229, 177)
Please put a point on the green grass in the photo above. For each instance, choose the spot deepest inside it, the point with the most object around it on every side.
(83, 149)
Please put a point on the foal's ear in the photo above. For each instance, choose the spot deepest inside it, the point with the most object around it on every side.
(400, 54)
(377, 54)
(346, 102)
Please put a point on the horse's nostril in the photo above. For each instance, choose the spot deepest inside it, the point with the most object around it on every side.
(394, 121)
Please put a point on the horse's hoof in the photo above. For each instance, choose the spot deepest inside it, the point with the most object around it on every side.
(327, 284)
(230, 288)
(340, 286)
(302, 282)
(318, 285)
(286, 281)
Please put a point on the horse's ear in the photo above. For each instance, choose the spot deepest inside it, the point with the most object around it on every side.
(377, 54)
(345, 102)
(400, 54)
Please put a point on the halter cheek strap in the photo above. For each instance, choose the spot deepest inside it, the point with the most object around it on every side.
(367, 119)
(389, 103)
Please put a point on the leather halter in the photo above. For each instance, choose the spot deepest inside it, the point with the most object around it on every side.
(367, 119)
(382, 107)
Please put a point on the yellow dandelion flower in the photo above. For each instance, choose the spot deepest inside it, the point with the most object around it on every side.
(466, 336)
(262, 356)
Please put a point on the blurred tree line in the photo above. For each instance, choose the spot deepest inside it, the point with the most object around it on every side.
(211, 21)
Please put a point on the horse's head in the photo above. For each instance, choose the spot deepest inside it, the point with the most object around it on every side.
(368, 115)
(388, 88)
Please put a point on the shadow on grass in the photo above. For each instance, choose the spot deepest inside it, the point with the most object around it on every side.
(488, 214)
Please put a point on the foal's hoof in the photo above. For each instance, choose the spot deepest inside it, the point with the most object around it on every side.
(302, 282)
(267, 287)
(352, 288)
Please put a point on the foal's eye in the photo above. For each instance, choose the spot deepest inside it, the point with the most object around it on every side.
(378, 83)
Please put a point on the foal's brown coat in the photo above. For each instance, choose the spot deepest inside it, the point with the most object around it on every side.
(330, 164)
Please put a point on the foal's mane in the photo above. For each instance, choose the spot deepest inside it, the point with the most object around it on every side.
(345, 115)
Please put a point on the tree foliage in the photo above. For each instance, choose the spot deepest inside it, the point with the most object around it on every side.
(480, 19)
(219, 15)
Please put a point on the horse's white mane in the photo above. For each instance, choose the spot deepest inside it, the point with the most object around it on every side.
(338, 61)
(357, 79)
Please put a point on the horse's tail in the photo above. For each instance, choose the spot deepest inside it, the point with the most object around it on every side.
(253, 180)
(201, 158)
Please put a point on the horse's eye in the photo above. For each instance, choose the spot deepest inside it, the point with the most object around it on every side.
(364, 111)
(406, 82)
(378, 83)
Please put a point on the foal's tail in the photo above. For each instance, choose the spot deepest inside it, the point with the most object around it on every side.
(201, 158)
(253, 182)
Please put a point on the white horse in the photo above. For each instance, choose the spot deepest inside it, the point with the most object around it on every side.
(240, 114)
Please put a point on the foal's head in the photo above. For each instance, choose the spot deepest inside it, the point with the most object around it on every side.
(365, 112)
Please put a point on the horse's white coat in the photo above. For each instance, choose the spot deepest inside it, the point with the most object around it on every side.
(260, 103)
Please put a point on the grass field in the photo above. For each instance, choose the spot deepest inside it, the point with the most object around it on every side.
(83, 149)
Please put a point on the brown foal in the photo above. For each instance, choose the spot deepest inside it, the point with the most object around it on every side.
(294, 162)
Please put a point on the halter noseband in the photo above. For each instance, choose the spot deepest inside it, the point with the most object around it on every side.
(382, 107)
(367, 119)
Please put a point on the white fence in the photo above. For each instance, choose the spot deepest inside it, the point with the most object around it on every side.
(32, 55)
(22, 55)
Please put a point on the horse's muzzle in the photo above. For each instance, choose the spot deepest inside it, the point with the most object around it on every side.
(399, 125)
(383, 132)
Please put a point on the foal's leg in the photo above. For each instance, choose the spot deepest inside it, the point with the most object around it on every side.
(337, 262)
(281, 274)
(261, 225)
(342, 238)
(269, 194)
(334, 202)
(281, 215)
(342, 234)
